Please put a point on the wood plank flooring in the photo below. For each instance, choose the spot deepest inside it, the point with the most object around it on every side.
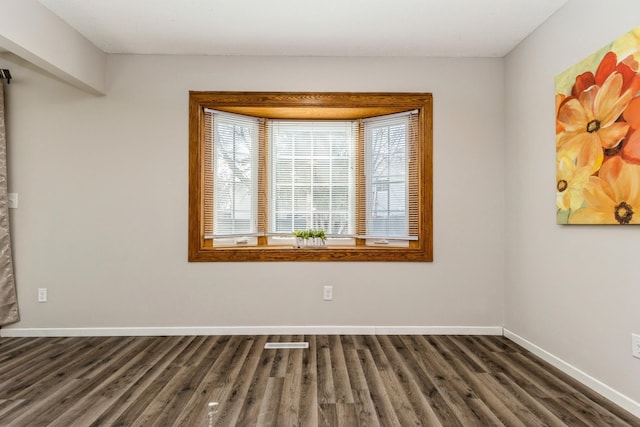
(339, 381)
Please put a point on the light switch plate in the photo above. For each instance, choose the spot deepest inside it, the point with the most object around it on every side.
(327, 293)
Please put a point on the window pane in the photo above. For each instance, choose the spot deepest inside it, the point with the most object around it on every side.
(321, 171)
(322, 144)
(284, 145)
(387, 177)
(234, 160)
(302, 168)
(341, 169)
(321, 200)
(302, 142)
(300, 222)
(340, 224)
(302, 199)
(397, 196)
(284, 172)
(340, 199)
(284, 199)
(284, 221)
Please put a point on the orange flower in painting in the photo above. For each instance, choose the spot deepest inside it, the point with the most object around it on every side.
(589, 122)
(559, 100)
(632, 113)
(631, 149)
(612, 197)
(627, 68)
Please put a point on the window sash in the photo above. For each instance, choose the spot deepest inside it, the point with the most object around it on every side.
(312, 176)
(389, 184)
(232, 178)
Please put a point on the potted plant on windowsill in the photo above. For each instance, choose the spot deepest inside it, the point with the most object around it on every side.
(309, 239)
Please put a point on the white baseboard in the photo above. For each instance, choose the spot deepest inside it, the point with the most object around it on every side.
(594, 384)
(438, 330)
(252, 330)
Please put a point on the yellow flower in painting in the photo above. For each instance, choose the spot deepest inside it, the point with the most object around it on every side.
(612, 197)
(589, 122)
(570, 180)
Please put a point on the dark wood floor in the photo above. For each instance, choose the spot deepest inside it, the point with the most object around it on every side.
(338, 381)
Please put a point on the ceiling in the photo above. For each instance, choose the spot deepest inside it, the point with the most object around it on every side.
(449, 28)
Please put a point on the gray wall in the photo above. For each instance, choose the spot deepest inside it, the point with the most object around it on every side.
(572, 290)
(102, 221)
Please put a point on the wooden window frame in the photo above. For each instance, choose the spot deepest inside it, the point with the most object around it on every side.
(309, 106)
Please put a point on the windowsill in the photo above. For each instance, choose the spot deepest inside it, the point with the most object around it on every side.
(338, 253)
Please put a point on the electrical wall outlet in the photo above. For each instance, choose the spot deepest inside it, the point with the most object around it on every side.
(42, 295)
(635, 345)
(12, 199)
(328, 293)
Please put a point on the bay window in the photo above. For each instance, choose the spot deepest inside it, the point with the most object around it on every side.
(263, 165)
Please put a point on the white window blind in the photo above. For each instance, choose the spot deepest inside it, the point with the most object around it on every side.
(312, 177)
(234, 169)
(390, 179)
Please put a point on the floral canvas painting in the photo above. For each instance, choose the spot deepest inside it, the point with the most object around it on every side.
(598, 136)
